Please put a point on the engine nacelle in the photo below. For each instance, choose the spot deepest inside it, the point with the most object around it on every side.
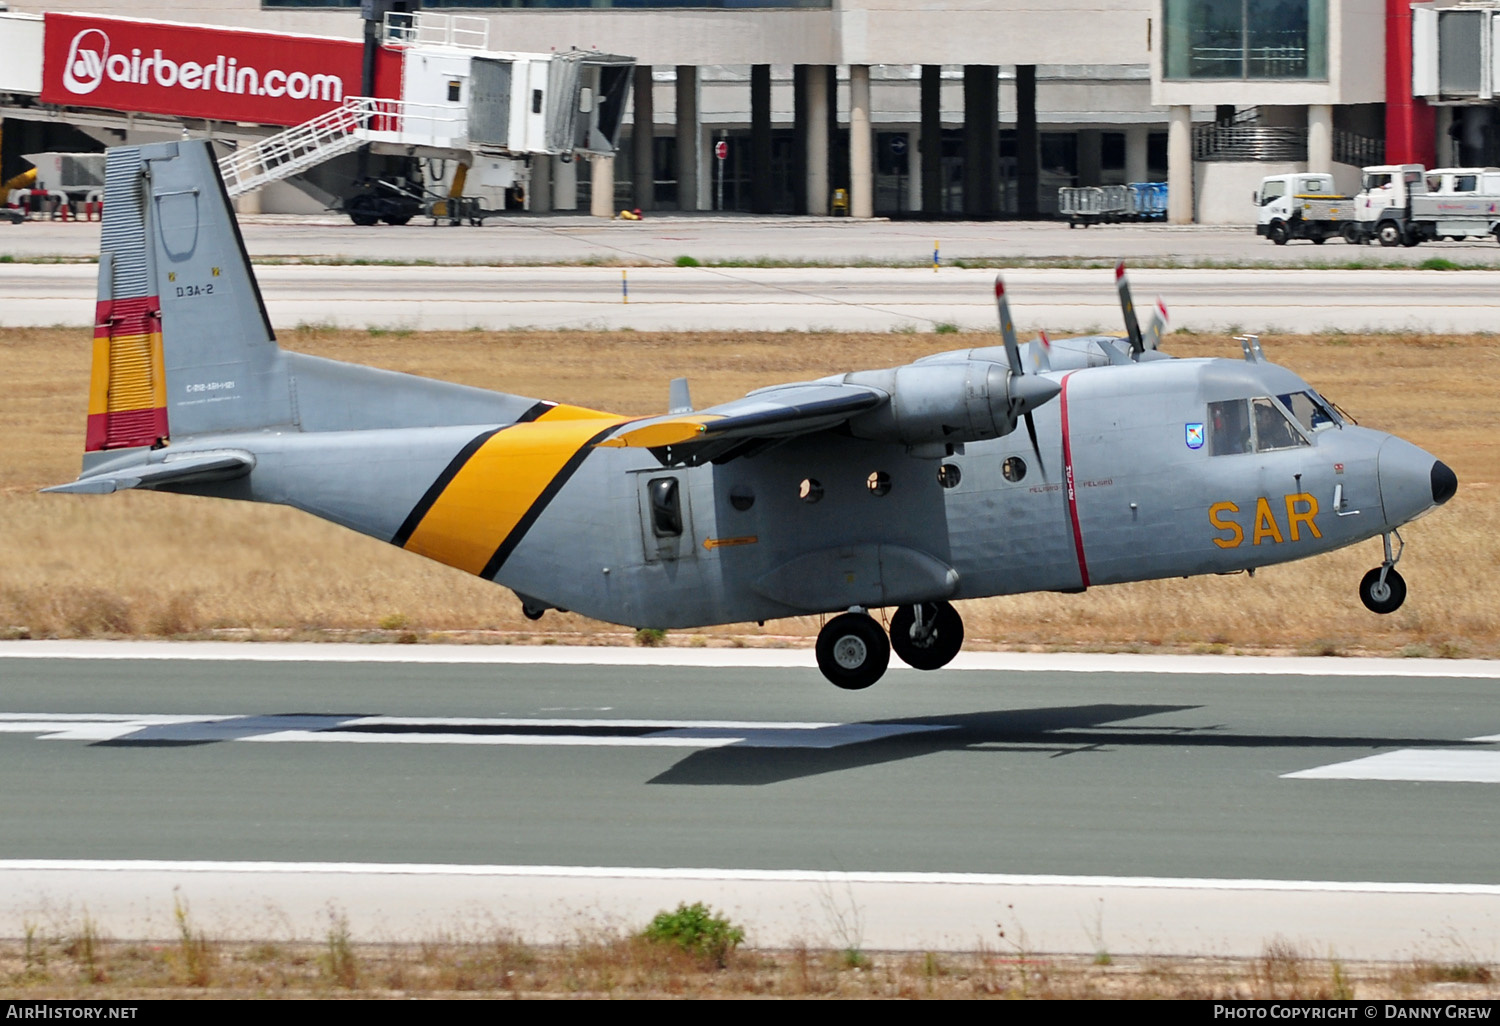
(962, 401)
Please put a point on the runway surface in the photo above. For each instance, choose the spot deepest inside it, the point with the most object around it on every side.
(1133, 803)
(844, 299)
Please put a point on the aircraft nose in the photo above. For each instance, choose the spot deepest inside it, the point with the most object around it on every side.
(1411, 481)
(1444, 482)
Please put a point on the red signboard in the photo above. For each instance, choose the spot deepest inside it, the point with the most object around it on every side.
(203, 71)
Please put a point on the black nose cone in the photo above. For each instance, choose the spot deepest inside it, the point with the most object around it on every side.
(1444, 482)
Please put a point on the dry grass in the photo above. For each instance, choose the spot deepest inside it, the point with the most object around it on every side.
(173, 566)
(76, 963)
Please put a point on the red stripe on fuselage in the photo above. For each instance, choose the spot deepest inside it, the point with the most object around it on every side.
(1072, 491)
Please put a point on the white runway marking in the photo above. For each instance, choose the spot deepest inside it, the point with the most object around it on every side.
(168, 730)
(1423, 765)
(584, 655)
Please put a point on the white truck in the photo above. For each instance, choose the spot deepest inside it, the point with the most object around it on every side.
(1404, 204)
(1302, 206)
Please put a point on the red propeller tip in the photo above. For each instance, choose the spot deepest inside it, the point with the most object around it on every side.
(1119, 270)
(999, 287)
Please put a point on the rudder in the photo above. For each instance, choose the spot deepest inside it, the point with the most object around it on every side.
(182, 343)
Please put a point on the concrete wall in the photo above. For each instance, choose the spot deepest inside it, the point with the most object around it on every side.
(1356, 67)
(850, 32)
(1224, 188)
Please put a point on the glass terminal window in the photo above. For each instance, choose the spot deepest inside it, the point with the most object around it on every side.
(1245, 39)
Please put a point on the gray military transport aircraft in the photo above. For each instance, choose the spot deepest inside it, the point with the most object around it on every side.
(902, 488)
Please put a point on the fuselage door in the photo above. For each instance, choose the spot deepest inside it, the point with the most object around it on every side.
(666, 515)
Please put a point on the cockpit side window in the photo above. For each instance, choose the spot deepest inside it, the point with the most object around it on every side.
(1273, 430)
(1229, 427)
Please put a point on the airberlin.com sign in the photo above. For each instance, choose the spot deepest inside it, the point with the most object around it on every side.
(202, 71)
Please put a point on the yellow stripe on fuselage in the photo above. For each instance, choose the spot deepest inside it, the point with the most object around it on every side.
(491, 494)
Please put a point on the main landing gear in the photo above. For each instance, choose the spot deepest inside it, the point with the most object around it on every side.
(1383, 590)
(853, 651)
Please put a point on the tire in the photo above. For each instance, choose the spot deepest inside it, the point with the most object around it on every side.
(1411, 238)
(364, 220)
(1318, 238)
(853, 651)
(1389, 234)
(397, 219)
(1352, 235)
(1386, 598)
(1277, 233)
(944, 638)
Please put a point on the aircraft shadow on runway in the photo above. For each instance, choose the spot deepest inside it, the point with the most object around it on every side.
(1054, 732)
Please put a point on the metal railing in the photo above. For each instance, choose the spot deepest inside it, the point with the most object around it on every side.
(1359, 150)
(1249, 143)
(423, 28)
(359, 120)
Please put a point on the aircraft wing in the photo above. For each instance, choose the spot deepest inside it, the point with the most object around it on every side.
(214, 465)
(744, 426)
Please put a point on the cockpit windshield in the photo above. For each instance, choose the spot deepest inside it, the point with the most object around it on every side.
(1312, 411)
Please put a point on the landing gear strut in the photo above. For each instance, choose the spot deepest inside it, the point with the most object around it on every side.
(927, 635)
(852, 650)
(1383, 589)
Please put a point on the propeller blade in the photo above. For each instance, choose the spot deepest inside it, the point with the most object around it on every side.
(1007, 328)
(1041, 354)
(1132, 326)
(1035, 449)
(1158, 326)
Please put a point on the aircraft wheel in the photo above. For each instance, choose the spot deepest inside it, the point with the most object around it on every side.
(397, 219)
(1390, 234)
(852, 651)
(1382, 598)
(1277, 233)
(937, 644)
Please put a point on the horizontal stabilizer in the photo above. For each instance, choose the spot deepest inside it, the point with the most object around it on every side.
(196, 467)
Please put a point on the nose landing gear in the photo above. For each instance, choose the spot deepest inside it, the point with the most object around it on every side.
(1383, 589)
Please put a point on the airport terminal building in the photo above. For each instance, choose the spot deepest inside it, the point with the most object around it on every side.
(969, 108)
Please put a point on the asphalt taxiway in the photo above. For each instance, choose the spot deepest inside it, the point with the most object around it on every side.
(1199, 806)
(458, 298)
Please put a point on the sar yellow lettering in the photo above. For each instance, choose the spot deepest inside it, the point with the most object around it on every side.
(1215, 517)
(1295, 516)
(1265, 523)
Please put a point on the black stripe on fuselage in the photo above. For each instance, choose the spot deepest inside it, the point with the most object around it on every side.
(414, 518)
(542, 501)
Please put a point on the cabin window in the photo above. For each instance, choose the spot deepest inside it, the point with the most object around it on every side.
(1465, 183)
(1272, 191)
(1013, 469)
(810, 490)
(741, 497)
(879, 483)
(949, 475)
(666, 507)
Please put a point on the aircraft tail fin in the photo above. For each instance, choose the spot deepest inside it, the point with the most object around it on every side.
(182, 343)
